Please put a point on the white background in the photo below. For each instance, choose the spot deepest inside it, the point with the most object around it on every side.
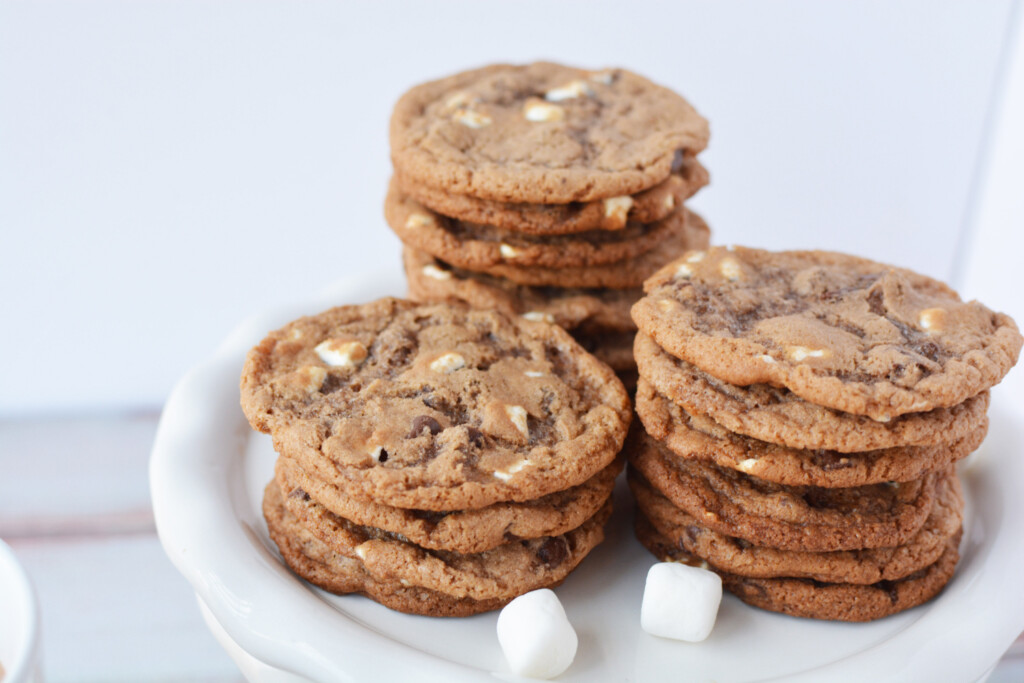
(168, 169)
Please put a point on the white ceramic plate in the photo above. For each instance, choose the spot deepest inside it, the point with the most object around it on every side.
(19, 621)
(208, 470)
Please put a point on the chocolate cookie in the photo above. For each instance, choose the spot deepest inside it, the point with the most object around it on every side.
(612, 213)
(435, 407)
(542, 133)
(817, 600)
(336, 572)
(742, 558)
(431, 279)
(463, 531)
(700, 437)
(500, 573)
(779, 416)
(805, 518)
(692, 233)
(839, 331)
(479, 247)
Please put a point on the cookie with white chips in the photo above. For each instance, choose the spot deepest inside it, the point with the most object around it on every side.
(435, 407)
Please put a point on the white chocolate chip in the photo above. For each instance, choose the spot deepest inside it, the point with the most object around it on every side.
(747, 465)
(376, 454)
(538, 111)
(684, 272)
(460, 100)
(538, 317)
(436, 273)
(507, 473)
(730, 268)
(670, 201)
(404, 582)
(533, 373)
(695, 256)
(310, 377)
(418, 220)
(361, 551)
(569, 91)
(766, 358)
(508, 251)
(666, 305)
(618, 208)
(799, 353)
(932, 320)
(448, 362)
(471, 118)
(606, 77)
(295, 334)
(341, 354)
(882, 418)
(517, 414)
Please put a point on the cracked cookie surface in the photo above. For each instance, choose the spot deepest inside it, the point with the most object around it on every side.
(542, 133)
(435, 407)
(839, 331)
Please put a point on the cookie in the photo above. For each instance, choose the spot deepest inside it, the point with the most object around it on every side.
(816, 600)
(613, 213)
(431, 279)
(463, 531)
(696, 436)
(542, 133)
(338, 573)
(500, 573)
(839, 331)
(691, 233)
(805, 518)
(435, 407)
(779, 416)
(742, 558)
(479, 247)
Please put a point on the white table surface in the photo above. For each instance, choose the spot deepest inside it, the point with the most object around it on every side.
(113, 607)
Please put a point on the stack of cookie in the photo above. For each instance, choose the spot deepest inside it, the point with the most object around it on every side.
(545, 191)
(803, 415)
(437, 459)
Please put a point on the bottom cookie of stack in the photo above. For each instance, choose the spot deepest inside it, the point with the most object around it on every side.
(472, 575)
(861, 579)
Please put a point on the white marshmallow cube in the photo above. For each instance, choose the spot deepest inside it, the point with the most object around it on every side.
(536, 636)
(680, 601)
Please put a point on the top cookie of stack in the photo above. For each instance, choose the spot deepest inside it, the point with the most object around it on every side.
(546, 191)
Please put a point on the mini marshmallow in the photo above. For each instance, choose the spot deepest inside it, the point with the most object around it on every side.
(680, 602)
(536, 636)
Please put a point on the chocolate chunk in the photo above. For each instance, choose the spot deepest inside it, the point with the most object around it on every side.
(553, 552)
(299, 493)
(828, 461)
(421, 422)
(890, 589)
(476, 437)
(383, 456)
